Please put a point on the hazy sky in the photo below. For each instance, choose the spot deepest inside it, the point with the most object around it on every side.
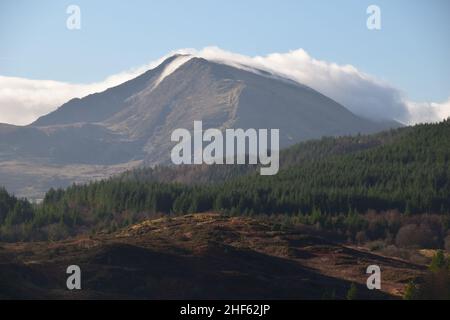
(411, 51)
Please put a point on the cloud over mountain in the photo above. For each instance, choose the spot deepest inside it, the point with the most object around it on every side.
(23, 100)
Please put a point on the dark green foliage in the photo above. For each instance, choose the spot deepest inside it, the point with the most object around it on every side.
(12, 210)
(15, 217)
(352, 293)
(410, 174)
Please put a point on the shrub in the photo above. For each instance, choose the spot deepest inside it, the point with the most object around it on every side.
(413, 235)
(352, 293)
(439, 262)
(411, 291)
(360, 237)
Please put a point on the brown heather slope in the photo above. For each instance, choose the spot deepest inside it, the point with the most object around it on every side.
(205, 256)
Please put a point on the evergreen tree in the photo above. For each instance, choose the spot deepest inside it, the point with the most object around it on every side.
(352, 293)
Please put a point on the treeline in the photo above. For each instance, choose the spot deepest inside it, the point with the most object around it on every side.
(389, 232)
(101, 206)
(12, 210)
(406, 170)
(304, 152)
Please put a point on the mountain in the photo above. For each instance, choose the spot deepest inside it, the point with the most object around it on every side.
(131, 124)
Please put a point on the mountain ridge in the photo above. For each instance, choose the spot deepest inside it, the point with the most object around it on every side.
(133, 122)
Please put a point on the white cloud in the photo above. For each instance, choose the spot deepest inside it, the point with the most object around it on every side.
(23, 100)
(361, 93)
(420, 112)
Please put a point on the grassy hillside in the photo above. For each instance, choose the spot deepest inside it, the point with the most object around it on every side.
(201, 256)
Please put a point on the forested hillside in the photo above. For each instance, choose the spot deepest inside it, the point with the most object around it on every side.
(410, 174)
(296, 155)
(406, 170)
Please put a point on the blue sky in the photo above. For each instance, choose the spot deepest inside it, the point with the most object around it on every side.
(411, 51)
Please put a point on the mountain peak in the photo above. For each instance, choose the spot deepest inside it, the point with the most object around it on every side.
(133, 122)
